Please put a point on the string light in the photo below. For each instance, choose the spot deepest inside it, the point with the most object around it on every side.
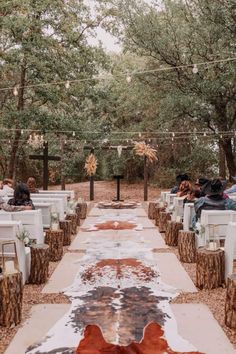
(67, 84)
(16, 90)
(22, 131)
(128, 77)
(195, 69)
(173, 134)
(73, 133)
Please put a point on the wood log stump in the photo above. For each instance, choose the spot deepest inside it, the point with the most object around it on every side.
(210, 268)
(40, 257)
(172, 232)
(187, 246)
(73, 218)
(230, 303)
(152, 210)
(55, 241)
(66, 227)
(83, 209)
(11, 295)
(158, 210)
(77, 212)
(164, 217)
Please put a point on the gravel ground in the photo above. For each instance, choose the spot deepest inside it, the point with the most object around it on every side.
(214, 299)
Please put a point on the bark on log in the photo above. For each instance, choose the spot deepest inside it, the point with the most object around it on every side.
(230, 303)
(172, 232)
(55, 241)
(164, 217)
(83, 208)
(187, 246)
(77, 212)
(40, 257)
(73, 218)
(152, 210)
(11, 295)
(66, 226)
(210, 269)
(158, 210)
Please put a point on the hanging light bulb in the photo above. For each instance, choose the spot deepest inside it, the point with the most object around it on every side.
(173, 134)
(119, 150)
(22, 131)
(195, 69)
(204, 134)
(73, 133)
(128, 79)
(16, 90)
(140, 135)
(67, 84)
(172, 139)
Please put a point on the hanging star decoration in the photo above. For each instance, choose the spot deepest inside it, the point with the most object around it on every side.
(143, 149)
(91, 165)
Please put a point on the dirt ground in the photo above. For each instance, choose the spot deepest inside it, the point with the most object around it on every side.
(106, 190)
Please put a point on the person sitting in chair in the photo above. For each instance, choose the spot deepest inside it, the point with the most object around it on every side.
(179, 180)
(214, 199)
(21, 196)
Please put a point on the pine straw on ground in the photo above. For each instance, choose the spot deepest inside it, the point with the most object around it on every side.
(214, 299)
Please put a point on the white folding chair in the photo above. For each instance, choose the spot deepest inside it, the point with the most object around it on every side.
(189, 213)
(32, 222)
(9, 231)
(230, 248)
(46, 209)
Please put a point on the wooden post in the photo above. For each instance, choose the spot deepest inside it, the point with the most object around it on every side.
(152, 210)
(66, 226)
(11, 295)
(164, 217)
(187, 246)
(55, 241)
(210, 268)
(73, 218)
(45, 158)
(91, 189)
(230, 303)
(172, 232)
(40, 257)
(145, 179)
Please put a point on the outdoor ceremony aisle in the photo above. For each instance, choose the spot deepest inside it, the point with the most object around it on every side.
(120, 279)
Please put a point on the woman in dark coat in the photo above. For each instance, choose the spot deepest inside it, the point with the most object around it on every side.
(21, 196)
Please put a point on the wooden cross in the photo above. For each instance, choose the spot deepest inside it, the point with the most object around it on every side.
(45, 158)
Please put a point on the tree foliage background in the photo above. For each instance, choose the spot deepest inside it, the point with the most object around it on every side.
(47, 41)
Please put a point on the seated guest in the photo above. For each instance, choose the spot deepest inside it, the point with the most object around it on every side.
(191, 196)
(232, 189)
(214, 199)
(199, 185)
(21, 196)
(6, 207)
(184, 188)
(179, 180)
(8, 186)
(31, 183)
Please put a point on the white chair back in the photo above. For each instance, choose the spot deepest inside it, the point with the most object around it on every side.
(221, 218)
(189, 213)
(35, 196)
(163, 196)
(170, 199)
(230, 248)
(32, 221)
(46, 212)
(57, 204)
(178, 208)
(68, 193)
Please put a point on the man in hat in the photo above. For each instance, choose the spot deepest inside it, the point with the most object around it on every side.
(214, 198)
(199, 185)
(179, 180)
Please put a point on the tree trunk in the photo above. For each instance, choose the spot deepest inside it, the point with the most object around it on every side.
(66, 226)
(187, 246)
(164, 217)
(222, 161)
(152, 210)
(73, 218)
(157, 214)
(55, 241)
(16, 139)
(172, 232)
(230, 303)
(82, 209)
(11, 295)
(39, 264)
(210, 269)
(228, 150)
